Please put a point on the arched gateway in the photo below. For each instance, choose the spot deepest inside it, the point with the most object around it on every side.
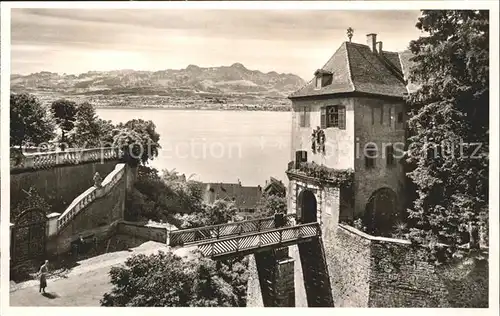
(307, 207)
(381, 212)
(28, 236)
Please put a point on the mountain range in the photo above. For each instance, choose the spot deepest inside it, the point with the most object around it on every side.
(227, 84)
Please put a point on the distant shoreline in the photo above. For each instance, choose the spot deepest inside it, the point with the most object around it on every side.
(104, 107)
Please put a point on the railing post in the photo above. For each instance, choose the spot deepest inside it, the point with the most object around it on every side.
(212, 249)
(259, 225)
(218, 232)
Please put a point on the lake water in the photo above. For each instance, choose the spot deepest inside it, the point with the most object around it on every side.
(218, 146)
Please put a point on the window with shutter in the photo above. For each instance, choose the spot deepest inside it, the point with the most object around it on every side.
(323, 117)
(373, 115)
(381, 115)
(341, 117)
(307, 115)
(333, 116)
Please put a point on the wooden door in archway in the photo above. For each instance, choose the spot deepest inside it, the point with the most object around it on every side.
(381, 212)
(307, 207)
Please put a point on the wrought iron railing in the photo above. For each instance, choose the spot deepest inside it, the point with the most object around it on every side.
(275, 237)
(194, 235)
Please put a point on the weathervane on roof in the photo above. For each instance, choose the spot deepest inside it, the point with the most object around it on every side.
(350, 33)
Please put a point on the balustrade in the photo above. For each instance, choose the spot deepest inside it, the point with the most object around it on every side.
(45, 160)
(91, 195)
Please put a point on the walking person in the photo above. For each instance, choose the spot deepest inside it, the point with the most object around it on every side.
(44, 269)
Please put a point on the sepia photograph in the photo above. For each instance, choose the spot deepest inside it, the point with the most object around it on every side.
(180, 157)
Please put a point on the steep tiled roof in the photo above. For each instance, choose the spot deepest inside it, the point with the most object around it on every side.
(356, 68)
(276, 185)
(406, 65)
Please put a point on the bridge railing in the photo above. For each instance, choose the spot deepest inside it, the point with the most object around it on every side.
(90, 195)
(193, 235)
(257, 240)
(44, 160)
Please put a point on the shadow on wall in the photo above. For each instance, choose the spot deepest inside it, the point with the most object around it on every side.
(467, 281)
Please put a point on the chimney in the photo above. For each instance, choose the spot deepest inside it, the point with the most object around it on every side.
(371, 40)
(379, 47)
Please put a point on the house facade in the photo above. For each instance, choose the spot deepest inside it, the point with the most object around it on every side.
(245, 198)
(349, 122)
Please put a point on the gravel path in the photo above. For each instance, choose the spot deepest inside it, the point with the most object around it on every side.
(85, 284)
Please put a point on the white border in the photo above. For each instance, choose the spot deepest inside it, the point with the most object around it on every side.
(224, 5)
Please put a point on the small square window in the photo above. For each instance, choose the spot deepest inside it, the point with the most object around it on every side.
(318, 82)
(400, 117)
(389, 155)
(370, 156)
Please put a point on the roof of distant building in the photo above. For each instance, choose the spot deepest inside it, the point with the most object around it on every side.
(243, 196)
(275, 184)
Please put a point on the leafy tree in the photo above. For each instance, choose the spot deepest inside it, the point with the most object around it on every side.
(106, 128)
(131, 143)
(450, 110)
(29, 121)
(64, 112)
(140, 137)
(164, 279)
(160, 197)
(87, 129)
(220, 212)
(270, 205)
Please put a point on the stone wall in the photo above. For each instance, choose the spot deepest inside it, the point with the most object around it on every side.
(348, 259)
(58, 185)
(143, 231)
(373, 271)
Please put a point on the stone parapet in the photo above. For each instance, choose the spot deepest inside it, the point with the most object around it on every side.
(46, 160)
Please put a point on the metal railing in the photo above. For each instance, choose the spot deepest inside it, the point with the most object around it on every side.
(193, 235)
(275, 237)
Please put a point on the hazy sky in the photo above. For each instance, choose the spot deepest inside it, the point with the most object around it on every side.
(76, 41)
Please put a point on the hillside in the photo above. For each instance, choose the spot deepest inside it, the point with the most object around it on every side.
(192, 87)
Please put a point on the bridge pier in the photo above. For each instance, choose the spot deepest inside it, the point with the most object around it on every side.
(315, 273)
(275, 270)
